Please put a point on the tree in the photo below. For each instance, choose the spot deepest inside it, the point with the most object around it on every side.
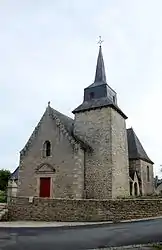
(4, 177)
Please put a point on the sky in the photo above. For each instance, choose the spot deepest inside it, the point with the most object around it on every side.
(48, 52)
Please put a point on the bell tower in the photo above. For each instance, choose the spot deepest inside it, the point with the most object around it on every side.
(101, 123)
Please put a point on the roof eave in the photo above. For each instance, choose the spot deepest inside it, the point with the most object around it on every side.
(77, 110)
(140, 158)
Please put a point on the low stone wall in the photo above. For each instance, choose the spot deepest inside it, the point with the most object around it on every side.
(82, 210)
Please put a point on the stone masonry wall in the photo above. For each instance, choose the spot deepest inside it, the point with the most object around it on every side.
(68, 161)
(94, 127)
(148, 185)
(83, 210)
(120, 163)
(140, 166)
(107, 170)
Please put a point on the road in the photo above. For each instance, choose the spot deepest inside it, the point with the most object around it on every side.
(121, 234)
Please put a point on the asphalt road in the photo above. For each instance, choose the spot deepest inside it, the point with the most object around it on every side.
(81, 238)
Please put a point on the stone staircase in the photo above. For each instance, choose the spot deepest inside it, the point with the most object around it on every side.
(3, 211)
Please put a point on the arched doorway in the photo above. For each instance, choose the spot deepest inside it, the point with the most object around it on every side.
(135, 189)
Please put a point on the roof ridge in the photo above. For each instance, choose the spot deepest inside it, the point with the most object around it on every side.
(62, 114)
(69, 132)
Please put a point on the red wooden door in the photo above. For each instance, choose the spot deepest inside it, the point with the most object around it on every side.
(45, 187)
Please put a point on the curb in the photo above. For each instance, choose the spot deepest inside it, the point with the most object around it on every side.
(141, 219)
(54, 225)
(138, 246)
(67, 225)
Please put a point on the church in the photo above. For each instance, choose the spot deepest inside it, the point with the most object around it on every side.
(93, 156)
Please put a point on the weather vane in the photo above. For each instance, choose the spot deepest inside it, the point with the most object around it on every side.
(100, 41)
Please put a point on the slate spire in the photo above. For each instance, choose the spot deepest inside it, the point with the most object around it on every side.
(99, 94)
(100, 68)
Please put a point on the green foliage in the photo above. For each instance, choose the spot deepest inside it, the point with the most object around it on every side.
(157, 246)
(3, 197)
(4, 177)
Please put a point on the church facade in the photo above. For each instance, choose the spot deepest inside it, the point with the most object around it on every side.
(92, 156)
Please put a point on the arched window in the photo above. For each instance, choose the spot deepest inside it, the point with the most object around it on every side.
(47, 149)
(148, 173)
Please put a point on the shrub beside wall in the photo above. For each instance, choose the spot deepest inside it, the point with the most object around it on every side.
(3, 197)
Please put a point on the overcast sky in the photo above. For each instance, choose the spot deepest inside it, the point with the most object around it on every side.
(48, 52)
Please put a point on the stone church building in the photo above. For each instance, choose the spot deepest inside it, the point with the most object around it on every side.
(92, 156)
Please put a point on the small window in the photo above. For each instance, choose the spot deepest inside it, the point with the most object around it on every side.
(114, 99)
(148, 173)
(91, 95)
(47, 149)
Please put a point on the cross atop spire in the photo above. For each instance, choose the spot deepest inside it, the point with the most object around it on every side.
(100, 68)
(100, 41)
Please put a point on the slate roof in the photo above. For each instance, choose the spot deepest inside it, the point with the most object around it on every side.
(159, 182)
(65, 120)
(135, 148)
(103, 98)
(98, 103)
(100, 75)
(14, 175)
(69, 125)
(99, 88)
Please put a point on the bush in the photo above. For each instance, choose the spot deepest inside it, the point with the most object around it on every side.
(3, 196)
(4, 177)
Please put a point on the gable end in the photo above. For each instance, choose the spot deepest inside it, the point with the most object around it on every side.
(75, 142)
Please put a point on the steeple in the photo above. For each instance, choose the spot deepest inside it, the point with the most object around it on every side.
(100, 68)
(99, 94)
